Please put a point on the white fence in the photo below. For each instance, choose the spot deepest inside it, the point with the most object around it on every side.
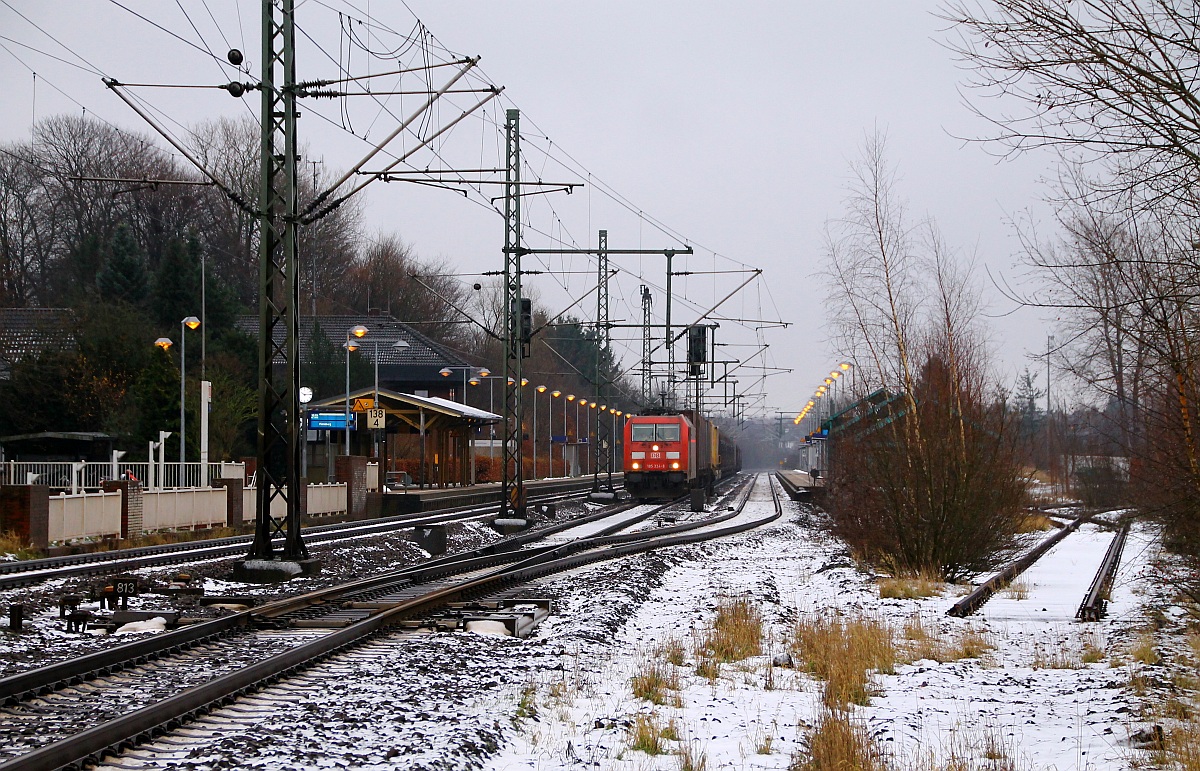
(94, 515)
(183, 509)
(87, 515)
(328, 499)
(81, 475)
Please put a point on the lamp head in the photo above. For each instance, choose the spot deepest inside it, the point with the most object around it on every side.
(570, 397)
(524, 382)
(485, 372)
(555, 394)
(351, 345)
(164, 343)
(541, 389)
(401, 344)
(444, 372)
(474, 381)
(358, 330)
(845, 365)
(191, 322)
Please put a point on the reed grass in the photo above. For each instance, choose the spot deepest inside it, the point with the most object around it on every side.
(736, 631)
(653, 680)
(843, 652)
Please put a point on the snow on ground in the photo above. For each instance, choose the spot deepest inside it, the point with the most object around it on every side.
(1032, 694)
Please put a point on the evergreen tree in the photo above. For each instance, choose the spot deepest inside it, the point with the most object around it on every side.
(123, 277)
(156, 395)
(177, 282)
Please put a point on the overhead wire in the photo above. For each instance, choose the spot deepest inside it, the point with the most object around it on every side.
(550, 152)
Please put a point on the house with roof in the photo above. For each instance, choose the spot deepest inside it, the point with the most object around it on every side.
(26, 332)
(428, 432)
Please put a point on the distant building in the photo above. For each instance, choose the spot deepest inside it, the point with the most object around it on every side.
(413, 369)
(26, 332)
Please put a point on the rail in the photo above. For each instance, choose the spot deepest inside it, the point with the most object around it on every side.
(975, 600)
(111, 737)
(1095, 604)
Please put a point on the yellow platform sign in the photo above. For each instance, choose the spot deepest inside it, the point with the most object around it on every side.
(362, 405)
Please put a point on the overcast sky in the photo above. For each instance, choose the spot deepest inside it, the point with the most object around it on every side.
(733, 124)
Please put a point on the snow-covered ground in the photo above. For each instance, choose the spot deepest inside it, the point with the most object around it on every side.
(563, 699)
(1031, 695)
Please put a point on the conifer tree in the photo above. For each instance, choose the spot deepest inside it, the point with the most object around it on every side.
(123, 277)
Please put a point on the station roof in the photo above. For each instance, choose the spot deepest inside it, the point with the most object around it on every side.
(400, 403)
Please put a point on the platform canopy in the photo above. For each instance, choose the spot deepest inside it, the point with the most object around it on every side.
(408, 408)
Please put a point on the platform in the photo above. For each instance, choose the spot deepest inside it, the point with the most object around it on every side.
(414, 500)
(801, 486)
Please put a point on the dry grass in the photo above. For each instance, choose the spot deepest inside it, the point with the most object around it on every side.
(1093, 648)
(1017, 590)
(1181, 750)
(843, 653)
(1034, 523)
(709, 669)
(1055, 657)
(691, 757)
(736, 632)
(10, 543)
(764, 739)
(1143, 650)
(973, 644)
(840, 742)
(652, 682)
(910, 587)
(923, 641)
(646, 735)
(673, 651)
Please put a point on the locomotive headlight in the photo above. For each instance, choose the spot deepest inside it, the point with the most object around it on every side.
(675, 464)
(654, 447)
(636, 465)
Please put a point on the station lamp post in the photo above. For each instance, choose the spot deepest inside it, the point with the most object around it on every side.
(554, 395)
(541, 389)
(353, 335)
(190, 322)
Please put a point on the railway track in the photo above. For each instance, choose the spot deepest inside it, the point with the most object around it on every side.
(292, 635)
(1093, 606)
(21, 573)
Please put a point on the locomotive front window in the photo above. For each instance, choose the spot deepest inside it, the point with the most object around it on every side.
(643, 432)
(668, 432)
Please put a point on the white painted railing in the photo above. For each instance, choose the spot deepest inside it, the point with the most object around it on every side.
(328, 499)
(323, 500)
(183, 509)
(94, 515)
(86, 515)
(78, 476)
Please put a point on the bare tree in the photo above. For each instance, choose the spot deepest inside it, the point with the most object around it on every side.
(924, 477)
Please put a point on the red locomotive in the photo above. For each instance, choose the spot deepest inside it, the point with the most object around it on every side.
(667, 456)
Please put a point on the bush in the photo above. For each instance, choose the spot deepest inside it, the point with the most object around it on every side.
(929, 482)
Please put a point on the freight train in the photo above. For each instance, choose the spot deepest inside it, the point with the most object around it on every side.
(671, 455)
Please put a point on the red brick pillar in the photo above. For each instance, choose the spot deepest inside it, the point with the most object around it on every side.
(25, 510)
(233, 501)
(352, 469)
(131, 505)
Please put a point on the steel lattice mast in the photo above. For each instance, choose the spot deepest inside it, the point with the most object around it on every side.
(602, 459)
(647, 349)
(513, 474)
(278, 451)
